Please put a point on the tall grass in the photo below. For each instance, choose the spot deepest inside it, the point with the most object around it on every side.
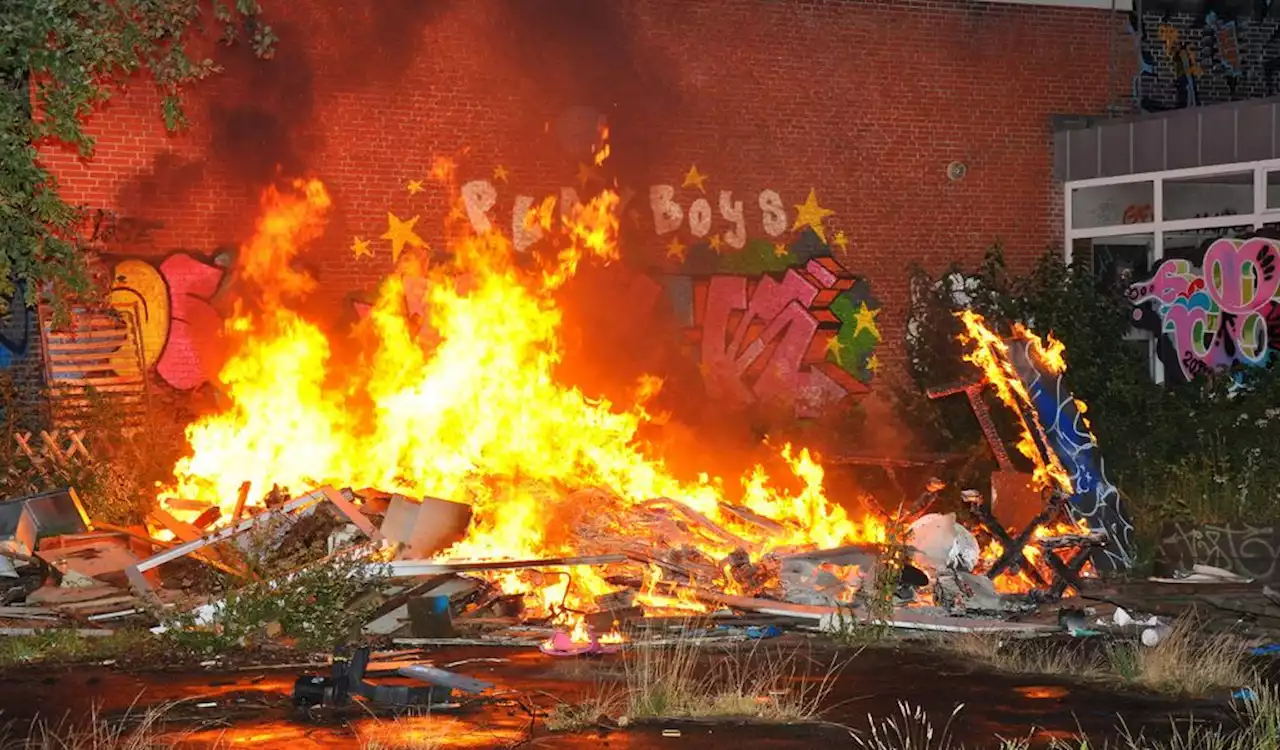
(1184, 662)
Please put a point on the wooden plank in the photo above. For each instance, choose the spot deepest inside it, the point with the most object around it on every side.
(100, 383)
(114, 343)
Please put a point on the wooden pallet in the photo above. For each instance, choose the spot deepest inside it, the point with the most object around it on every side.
(98, 356)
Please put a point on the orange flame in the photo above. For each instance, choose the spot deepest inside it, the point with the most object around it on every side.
(462, 404)
(990, 353)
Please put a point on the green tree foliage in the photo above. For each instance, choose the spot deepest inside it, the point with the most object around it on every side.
(68, 56)
(1200, 451)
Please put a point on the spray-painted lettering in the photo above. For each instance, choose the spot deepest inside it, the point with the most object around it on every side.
(171, 304)
(1220, 312)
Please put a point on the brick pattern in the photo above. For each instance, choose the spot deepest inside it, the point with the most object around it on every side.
(864, 102)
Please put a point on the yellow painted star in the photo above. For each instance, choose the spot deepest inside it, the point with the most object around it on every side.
(676, 249)
(704, 369)
(695, 179)
(360, 247)
(780, 250)
(867, 319)
(456, 213)
(414, 187)
(500, 173)
(834, 347)
(401, 233)
(841, 241)
(715, 242)
(810, 214)
(586, 173)
(873, 364)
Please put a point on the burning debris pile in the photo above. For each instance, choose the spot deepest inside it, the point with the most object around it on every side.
(546, 505)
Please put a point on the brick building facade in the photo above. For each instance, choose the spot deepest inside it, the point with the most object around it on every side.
(922, 126)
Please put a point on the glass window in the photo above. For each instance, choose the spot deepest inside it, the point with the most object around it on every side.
(1116, 261)
(1208, 196)
(1192, 245)
(1112, 205)
(1273, 190)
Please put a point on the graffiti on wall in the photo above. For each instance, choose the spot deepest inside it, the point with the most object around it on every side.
(172, 301)
(1252, 551)
(1193, 59)
(1223, 311)
(102, 226)
(786, 326)
(1094, 499)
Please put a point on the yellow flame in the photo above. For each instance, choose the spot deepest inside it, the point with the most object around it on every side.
(460, 402)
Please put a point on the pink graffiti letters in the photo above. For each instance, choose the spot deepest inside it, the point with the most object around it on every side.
(1218, 314)
(767, 340)
(178, 324)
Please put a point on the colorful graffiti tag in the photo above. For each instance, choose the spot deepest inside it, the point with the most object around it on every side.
(1094, 499)
(172, 303)
(787, 326)
(1224, 311)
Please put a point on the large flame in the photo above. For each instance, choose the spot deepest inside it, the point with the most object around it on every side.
(990, 354)
(460, 402)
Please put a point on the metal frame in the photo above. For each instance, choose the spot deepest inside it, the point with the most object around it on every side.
(1158, 227)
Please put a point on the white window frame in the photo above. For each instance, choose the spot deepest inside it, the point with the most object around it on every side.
(1158, 226)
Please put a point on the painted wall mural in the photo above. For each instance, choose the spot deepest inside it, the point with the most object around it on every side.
(173, 300)
(1215, 55)
(787, 326)
(1222, 311)
(776, 319)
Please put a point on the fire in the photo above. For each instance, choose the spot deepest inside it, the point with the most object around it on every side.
(461, 403)
(990, 354)
(1016, 580)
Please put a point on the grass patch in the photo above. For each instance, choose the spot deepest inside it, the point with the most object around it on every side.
(1257, 728)
(136, 730)
(1183, 663)
(65, 646)
(605, 703)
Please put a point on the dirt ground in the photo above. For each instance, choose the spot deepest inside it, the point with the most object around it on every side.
(253, 705)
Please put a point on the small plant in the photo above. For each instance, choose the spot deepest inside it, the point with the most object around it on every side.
(763, 683)
(1185, 662)
(911, 729)
(312, 606)
(1028, 657)
(606, 702)
(136, 730)
(65, 646)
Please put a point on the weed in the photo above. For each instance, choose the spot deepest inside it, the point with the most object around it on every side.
(606, 701)
(911, 729)
(312, 605)
(1185, 662)
(763, 682)
(64, 646)
(1028, 657)
(136, 730)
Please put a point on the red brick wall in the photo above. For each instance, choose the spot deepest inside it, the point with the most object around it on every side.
(864, 102)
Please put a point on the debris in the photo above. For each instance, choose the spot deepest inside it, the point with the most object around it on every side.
(671, 733)
(435, 676)
(756, 632)
(429, 617)
(1151, 637)
(423, 528)
(1267, 650)
(939, 542)
(80, 632)
(346, 680)
(1204, 574)
(562, 644)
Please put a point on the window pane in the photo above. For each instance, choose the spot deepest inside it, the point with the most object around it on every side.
(1208, 196)
(1273, 189)
(1112, 205)
(1115, 261)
